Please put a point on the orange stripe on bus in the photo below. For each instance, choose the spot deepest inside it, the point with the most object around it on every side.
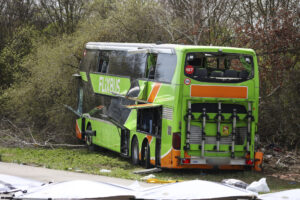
(78, 132)
(154, 92)
(149, 138)
(219, 91)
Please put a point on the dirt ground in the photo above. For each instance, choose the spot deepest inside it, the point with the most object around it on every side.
(281, 163)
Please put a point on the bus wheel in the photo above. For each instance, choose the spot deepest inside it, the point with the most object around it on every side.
(146, 159)
(88, 140)
(135, 152)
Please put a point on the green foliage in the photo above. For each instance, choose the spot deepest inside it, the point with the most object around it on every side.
(38, 99)
(279, 117)
(49, 87)
(11, 56)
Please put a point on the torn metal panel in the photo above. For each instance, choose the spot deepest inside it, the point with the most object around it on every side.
(79, 189)
(196, 189)
(10, 184)
(284, 195)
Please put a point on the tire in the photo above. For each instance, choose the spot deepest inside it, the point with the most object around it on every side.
(135, 152)
(146, 159)
(88, 140)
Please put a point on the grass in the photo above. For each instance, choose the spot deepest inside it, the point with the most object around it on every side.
(81, 160)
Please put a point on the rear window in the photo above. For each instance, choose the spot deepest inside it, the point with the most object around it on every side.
(219, 67)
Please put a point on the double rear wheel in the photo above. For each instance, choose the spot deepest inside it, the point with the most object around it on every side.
(145, 154)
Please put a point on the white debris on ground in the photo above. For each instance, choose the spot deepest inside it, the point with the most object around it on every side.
(148, 177)
(259, 186)
(235, 182)
(256, 186)
(105, 170)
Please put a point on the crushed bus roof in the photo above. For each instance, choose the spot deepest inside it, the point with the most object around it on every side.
(162, 48)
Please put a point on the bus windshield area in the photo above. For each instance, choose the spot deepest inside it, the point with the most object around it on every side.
(219, 67)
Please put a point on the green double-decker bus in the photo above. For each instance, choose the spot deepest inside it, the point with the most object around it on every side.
(171, 106)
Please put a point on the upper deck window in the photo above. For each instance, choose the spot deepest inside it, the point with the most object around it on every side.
(219, 67)
(124, 64)
(89, 60)
(165, 67)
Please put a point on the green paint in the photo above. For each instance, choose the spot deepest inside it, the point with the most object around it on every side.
(110, 85)
(174, 98)
(83, 76)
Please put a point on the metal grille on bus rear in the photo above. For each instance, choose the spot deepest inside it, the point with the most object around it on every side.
(167, 113)
(196, 136)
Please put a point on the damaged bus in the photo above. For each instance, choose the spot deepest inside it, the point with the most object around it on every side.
(171, 106)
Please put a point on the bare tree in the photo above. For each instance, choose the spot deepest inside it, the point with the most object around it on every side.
(196, 21)
(63, 14)
(15, 13)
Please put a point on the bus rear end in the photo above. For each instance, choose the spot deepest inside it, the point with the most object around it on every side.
(219, 109)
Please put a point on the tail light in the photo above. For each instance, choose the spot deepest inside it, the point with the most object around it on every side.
(176, 141)
(186, 161)
(249, 162)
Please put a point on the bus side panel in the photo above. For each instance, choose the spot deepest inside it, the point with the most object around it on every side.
(165, 95)
(107, 135)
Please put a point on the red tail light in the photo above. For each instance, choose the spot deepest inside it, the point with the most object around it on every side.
(249, 162)
(186, 161)
(176, 141)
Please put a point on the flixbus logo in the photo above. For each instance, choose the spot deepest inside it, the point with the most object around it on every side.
(109, 84)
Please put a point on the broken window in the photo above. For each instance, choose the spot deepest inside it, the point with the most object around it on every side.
(149, 120)
(165, 67)
(219, 67)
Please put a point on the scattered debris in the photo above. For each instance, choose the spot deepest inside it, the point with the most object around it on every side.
(155, 180)
(147, 171)
(105, 170)
(235, 182)
(281, 163)
(259, 186)
(148, 177)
